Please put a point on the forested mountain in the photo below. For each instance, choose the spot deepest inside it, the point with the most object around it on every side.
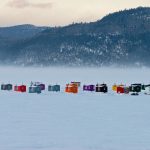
(121, 38)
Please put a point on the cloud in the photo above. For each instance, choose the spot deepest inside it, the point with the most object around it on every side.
(18, 3)
(26, 3)
(42, 5)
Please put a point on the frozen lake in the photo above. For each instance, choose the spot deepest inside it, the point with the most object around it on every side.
(87, 121)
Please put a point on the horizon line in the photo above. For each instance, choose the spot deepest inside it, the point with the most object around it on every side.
(78, 22)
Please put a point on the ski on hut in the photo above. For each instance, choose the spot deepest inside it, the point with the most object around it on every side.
(77, 83)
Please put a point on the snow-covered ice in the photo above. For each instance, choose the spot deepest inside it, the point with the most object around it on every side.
(86, 121)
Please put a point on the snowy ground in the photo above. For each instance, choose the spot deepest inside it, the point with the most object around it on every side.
(87, 121)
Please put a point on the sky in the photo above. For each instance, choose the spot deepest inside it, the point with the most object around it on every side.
(60, 12)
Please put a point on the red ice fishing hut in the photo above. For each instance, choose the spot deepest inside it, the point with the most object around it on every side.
(120, 89)
(21, 88)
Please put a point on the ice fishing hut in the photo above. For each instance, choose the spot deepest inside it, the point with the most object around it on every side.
(41, 85)
(135, 88)
(120, 89)
(54, 88)
(147, 89)
(7, 87)
(101, 88)
(89, 87)
(71, 88)
(35, 89)
(114, 87)
(3, 87)
(21, 88)
(126, 90)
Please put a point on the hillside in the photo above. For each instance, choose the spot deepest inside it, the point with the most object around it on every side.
(121, 38)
